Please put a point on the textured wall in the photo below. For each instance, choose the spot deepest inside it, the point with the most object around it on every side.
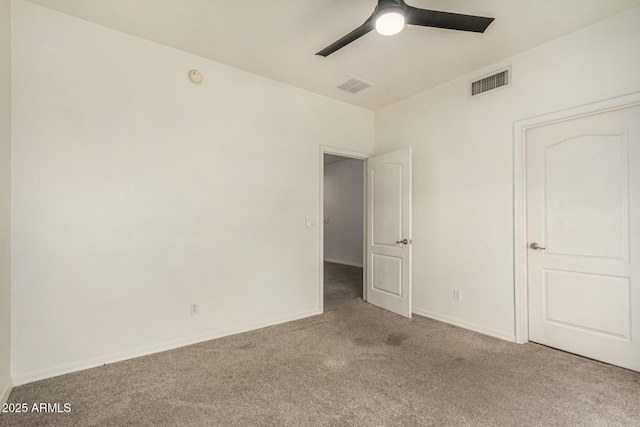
(138, 192)
(5, 197)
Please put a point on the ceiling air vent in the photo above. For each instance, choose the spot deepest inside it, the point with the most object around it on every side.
(493, 81)
(354, 85)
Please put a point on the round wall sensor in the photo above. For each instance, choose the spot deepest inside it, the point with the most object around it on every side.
(195, 76)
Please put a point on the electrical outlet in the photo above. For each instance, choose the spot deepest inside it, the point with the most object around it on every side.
(457, 295)
(194, 309)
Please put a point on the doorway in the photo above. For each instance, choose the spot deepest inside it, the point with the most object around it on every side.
(386, 214)
(343, 227)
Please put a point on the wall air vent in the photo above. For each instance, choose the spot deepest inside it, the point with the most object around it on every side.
(496, 80)
(354, 85)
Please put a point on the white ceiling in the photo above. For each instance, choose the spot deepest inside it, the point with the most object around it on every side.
(278, 38)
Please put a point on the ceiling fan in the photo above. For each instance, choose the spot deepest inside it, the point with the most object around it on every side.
(390, 16)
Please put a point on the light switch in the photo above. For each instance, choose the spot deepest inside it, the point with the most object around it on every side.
(310, 221)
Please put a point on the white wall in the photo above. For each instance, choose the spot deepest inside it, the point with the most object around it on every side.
(343, 198)
(463, 165)
(137, 192)
(5, 198)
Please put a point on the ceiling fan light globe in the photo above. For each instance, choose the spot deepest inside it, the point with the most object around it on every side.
(390, 23)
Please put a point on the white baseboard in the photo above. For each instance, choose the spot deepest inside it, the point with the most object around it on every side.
(337, 261)
(29, 377)
(466, 325)
(6, 391)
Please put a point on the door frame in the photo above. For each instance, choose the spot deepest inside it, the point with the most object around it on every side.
(325, 149)
(520, 270)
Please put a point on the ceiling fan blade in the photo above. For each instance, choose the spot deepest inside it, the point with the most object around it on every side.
(352, 36)
(450, 21)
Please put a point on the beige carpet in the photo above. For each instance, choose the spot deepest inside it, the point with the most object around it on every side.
(354, 365)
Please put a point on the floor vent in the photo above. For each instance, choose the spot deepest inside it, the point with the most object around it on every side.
(495, 80)
(354, 85)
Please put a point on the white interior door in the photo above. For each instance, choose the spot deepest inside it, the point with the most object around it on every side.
(583, 211)
(389, 231)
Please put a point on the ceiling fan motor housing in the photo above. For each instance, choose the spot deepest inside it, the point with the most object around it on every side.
(389, 6)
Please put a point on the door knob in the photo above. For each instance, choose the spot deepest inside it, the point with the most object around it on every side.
(536, 246)
(405, 241)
